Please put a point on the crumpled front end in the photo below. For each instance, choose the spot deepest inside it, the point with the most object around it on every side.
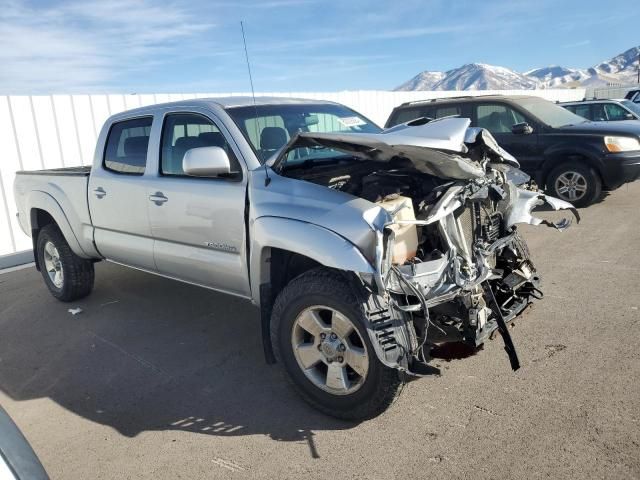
(473, 274)
(451, 266)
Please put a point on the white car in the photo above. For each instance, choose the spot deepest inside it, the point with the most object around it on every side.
(605, 110)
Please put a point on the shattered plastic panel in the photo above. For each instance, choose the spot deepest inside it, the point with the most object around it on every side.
(520, 202)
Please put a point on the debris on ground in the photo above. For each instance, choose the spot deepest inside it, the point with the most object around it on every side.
(109, 303)
(75, 311)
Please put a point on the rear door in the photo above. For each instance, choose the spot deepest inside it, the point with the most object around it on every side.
(198, 223)
(498, 118)
(118, 195)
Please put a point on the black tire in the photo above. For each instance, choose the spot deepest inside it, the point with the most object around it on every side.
(325, 287)
(78, 273)
(590, 176)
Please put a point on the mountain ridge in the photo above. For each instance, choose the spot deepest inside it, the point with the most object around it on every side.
(621, 68)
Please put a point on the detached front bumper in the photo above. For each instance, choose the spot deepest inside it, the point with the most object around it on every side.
(620, 168)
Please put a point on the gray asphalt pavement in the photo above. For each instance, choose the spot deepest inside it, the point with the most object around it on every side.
(156, 379)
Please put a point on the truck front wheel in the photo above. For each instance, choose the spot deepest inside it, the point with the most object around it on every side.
(318, 333)
(67, 276)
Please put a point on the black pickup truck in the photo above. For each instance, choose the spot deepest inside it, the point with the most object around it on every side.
(573, 157)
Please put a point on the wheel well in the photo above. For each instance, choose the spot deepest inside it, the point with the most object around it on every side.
(39, 219)
(285, 266)
(563, 158)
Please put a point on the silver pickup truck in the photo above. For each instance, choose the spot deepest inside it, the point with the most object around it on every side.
(364, 248)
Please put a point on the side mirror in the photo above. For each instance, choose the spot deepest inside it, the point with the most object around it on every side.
(521, 129)
(206, 162)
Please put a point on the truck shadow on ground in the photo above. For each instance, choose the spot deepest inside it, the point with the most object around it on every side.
(147, 354)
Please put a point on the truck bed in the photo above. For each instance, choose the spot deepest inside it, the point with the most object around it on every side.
(82, 171)
(61, 192)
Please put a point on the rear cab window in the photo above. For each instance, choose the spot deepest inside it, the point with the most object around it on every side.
(127, 145)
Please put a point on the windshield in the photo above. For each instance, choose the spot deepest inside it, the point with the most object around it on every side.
(549, 113)
(634, 107)
(269, 127)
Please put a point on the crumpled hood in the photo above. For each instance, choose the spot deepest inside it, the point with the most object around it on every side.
(437, 148)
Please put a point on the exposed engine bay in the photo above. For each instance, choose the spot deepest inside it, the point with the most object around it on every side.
(451, 265)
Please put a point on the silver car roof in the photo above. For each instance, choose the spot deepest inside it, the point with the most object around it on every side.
(228, 102)
(597, 100)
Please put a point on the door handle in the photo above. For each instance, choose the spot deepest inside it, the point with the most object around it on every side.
(99, 192)
(158, 198)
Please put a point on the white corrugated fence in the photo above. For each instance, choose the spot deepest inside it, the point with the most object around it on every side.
(60, 130)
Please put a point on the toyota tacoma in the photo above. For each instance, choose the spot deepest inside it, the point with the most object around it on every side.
(364, 248)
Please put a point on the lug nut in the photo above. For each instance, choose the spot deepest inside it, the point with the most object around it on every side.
(333, 336)
(340, 359)
(341, 347)
(323, 336)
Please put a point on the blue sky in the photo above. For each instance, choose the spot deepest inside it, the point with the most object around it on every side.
(138, 46)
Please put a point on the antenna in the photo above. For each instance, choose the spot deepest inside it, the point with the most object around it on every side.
(267, 179)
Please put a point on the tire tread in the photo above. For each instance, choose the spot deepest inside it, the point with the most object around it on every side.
(79, 274)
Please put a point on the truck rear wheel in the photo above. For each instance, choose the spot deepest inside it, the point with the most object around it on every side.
(319, 336)
(67, 276)
(575, 183)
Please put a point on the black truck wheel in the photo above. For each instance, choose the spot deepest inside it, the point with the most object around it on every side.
(578, 184)
(319, 336)
(67, 276)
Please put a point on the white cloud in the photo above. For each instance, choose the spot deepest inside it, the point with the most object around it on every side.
(88, 45)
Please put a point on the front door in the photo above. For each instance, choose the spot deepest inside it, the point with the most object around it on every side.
(198, 223)
(498, 118)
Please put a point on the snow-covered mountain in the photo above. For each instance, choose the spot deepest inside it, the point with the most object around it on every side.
(620, 69)
(423, 81)
(556, 76)
(474, 76)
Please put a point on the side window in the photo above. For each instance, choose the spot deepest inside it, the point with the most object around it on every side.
(406, 115)
(127, 144)
(184, 131)
(597, 112)
(447, 111)
(615, 112)
(583, 111)
(497, 118)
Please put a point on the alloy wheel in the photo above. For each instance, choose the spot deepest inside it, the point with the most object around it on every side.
(53, 265)
(329, 350)
(571, 186)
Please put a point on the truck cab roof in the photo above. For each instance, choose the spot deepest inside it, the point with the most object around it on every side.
(222, 102)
